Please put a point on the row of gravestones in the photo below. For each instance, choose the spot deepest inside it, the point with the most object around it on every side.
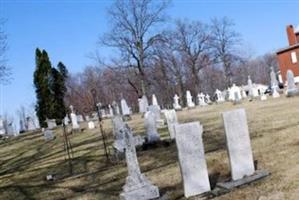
(188, 137)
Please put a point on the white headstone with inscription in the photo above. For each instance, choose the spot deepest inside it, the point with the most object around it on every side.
(238, 143)
(192, 158)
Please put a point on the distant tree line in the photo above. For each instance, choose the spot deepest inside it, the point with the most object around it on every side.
(154, 59)
(50, 88)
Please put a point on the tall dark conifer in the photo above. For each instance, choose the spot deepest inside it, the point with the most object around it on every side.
(44, 106)
(59, 89)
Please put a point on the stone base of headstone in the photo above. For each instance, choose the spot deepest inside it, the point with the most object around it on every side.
(142, 191)
(292, 92)
(259, 174)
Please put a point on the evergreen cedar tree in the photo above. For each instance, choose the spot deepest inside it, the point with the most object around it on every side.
(50, 89)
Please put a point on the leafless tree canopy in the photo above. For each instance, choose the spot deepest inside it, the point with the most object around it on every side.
(133, 31)
(193, 55)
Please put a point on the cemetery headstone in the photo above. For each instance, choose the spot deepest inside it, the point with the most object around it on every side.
(176, 104)
(124, 107)
(11, 129)
(292, 90)
(208, 99)
(151, 127)
(137, 186)
(235, 94)
(2, 129)
(66, 120)
(274, 84)
(30, 124)
(219, 96)
(171, 119)
(118, 127)
(238, 143)
(250, 87)
(201, 99)
(190, 103)
(115, 108)
(48, 135)
(244, 95)
(143, 104)
(75, 124)
(154, 100)
(157, 112)
(118, 131)
(263, 97)
(80, 118)
(110, 110)
(91, 125)
(51, 123)
(192, 158)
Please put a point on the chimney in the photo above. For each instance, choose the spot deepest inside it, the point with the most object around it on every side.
(291, 35)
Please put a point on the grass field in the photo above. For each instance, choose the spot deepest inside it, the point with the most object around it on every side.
(274, 129)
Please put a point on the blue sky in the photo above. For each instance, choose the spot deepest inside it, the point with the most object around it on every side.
(69, 31)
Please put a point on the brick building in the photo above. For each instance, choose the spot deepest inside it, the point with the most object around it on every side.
(288, 57)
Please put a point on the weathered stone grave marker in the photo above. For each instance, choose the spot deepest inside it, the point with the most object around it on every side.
(171, 120)
(51, 123)
(137, 186)
(75, 125)
(151, 127)
(48, 135)
(239, 150)
(192, 159)
(292, 90)
(176, 104)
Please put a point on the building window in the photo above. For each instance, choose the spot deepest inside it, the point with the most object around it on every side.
(294, 57)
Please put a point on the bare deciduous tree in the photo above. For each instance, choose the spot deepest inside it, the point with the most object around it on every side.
(224, 40)
(191, 40)
(133, 31)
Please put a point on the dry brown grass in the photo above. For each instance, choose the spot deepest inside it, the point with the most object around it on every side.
(273, 125)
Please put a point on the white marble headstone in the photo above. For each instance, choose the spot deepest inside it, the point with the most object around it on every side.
(238, 143)
(176, 104)
(74, 121)
(151, 127)
(124, 107)
(190, 103)
(192, 158)
(91, 125)
(171, 119)
(137, 186)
